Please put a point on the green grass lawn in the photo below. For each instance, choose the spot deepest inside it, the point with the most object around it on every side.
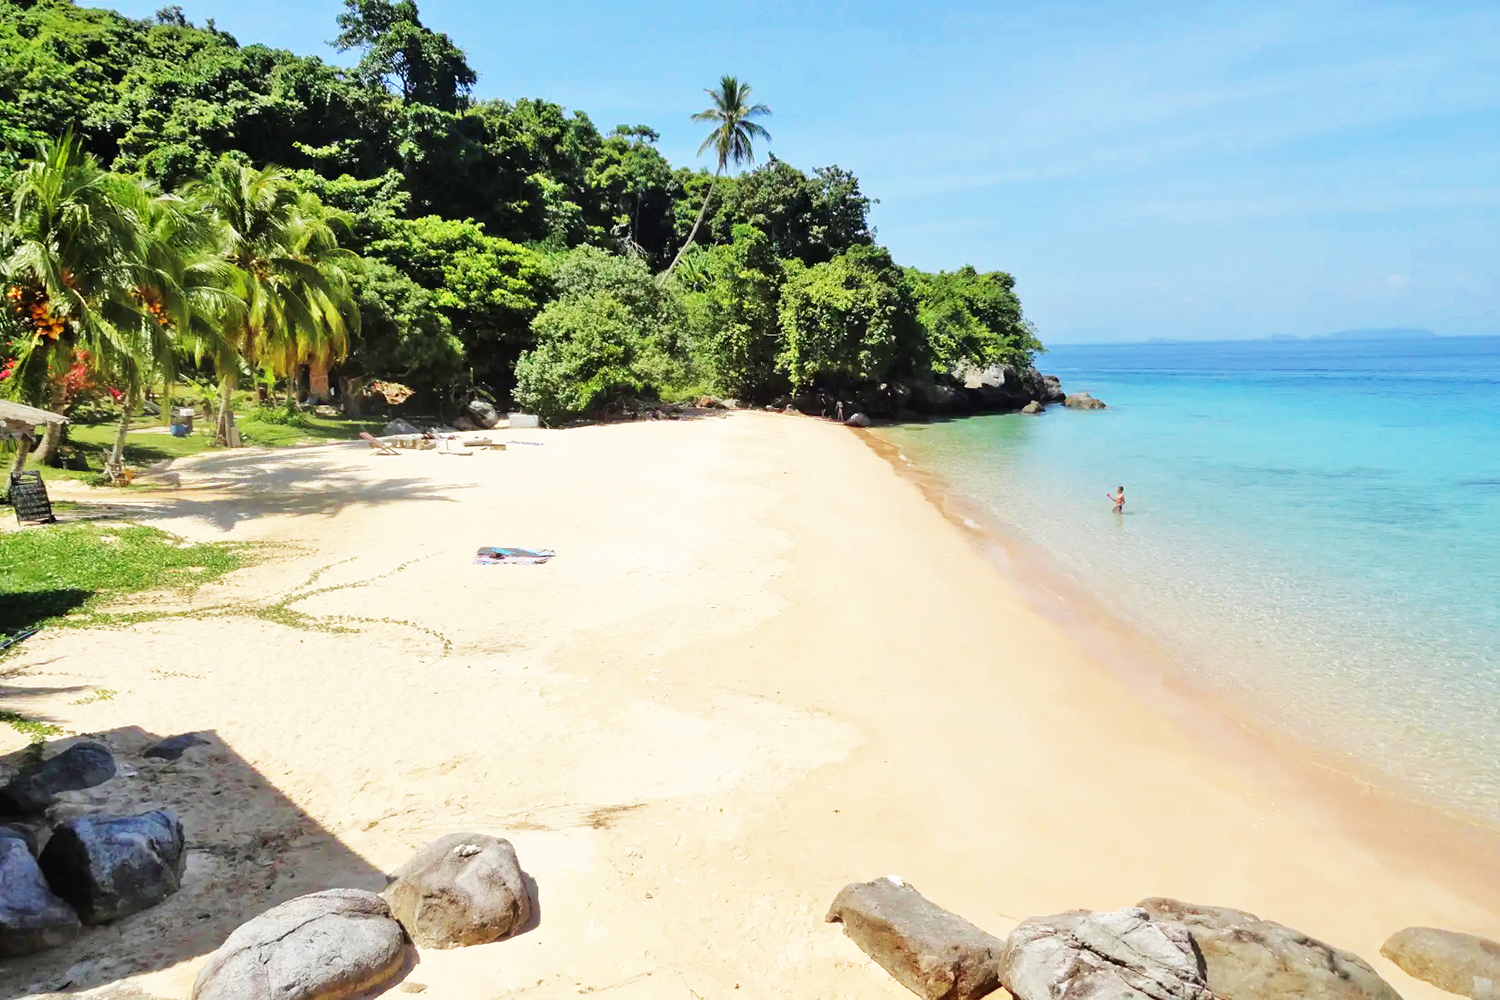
(51, 571)
(310, 430)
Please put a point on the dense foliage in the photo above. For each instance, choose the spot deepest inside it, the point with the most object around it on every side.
(415, 233)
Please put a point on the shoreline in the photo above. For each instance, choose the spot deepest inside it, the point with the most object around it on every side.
(763, 665)
(1360, 798)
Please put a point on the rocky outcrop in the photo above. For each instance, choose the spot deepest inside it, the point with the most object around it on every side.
(1033, 408)
(82, 765)
(1247, 958)
(1052, 390)
(462, 889)
(326, 946)
(934, 953)
(173, 747)
(1082, 401)
(1459, 963)
(109, 867)
(32, 918)
(997, 389)
(1114, 955)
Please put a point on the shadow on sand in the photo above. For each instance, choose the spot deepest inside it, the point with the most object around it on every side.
(249, 848)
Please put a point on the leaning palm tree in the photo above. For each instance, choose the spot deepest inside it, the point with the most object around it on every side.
(183, 285)
(732, 139)
(295, 299)
(70, 263)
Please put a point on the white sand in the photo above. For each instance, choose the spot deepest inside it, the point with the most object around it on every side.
(761, 666)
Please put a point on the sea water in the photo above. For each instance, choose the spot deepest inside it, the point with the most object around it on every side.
(1312, 532)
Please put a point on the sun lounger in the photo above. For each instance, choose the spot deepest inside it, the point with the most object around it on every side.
(381, 448)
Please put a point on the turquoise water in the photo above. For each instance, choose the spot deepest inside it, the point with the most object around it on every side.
(1312, 530)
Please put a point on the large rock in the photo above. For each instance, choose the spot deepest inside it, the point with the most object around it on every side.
(1083, 401)
(857, 420)
(1033, 408)
(32, 918)
(1113, 955)
(1051, 389)
(399, 427)
(326, 946)
(109, 867)
(483, 414)
(1248, 958)
(933, 953)
(459, 890)
(1459, 963)
(82, 765)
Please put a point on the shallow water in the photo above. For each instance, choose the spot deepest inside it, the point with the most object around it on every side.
(1312, 530)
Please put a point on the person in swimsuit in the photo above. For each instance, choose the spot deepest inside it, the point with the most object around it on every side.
(1118, 499)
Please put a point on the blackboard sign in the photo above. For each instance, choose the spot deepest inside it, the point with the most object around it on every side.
(28, 495)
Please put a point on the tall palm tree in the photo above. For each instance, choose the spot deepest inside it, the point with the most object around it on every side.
(733, 140)
(70, 263)
(295, 299)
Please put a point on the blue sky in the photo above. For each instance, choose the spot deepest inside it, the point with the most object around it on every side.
(1194, 171)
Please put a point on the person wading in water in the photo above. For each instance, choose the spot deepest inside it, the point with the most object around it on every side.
(1118, 499)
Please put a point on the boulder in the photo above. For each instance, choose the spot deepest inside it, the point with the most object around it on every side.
(82, 765)
(399, 426)
(1082, 401)
(324, 410)
(483, 413)
(25, 834)
(174, 747)
(1459, 963)
(1052, 390)
(731, 403)
(326, 946)
(463, 423)
(1248, 958)
(1033, 408)
(857, 420)
(109, 867)
(1111, 955)
(934, 953)
(32, 918)
(460, 890)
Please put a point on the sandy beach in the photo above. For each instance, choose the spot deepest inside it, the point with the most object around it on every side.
(762, 665)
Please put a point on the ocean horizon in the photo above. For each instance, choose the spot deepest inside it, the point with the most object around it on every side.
(1310, 532)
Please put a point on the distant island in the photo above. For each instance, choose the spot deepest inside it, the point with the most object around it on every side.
(1379, 333)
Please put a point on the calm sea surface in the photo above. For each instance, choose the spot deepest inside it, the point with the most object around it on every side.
(1312, 530)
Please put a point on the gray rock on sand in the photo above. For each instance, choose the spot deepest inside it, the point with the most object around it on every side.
(82, 765)
(32, 918)
(462, 889)
(399, 426)
(326, 946)
(934, 953)
(174, 747)
(109, 867)
(1248, 958)
(1033, 408)
(1111, 955)
(1459, 963)
(484, 415)
(1083, 401)
(857, 420)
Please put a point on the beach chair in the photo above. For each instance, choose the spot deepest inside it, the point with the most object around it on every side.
(381, 448)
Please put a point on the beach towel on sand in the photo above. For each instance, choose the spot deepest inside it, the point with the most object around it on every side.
(512, 557)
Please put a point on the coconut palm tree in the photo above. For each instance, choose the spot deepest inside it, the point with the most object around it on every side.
(288, 273)
(70, 263)
(733, 140)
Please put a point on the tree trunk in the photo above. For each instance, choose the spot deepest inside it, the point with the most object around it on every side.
(47, 454)
(117, 457)
(349, 389)
(227, 434)
(166, 403)
(23, 448)
(701, 213)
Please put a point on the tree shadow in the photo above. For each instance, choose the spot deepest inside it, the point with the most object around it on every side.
(321, 481)
(24, 609)
(249, 848)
